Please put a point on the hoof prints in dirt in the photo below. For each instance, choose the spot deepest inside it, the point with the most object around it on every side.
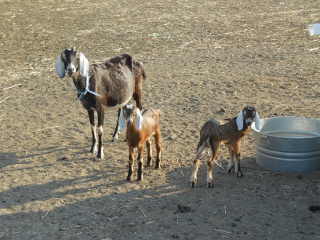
(314, 208)
(183, 209)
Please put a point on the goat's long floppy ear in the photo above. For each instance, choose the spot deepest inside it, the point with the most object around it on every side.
(139, 119)
(239, 120)
(257, 121)
(60, 68)
(84, 65)
(121, 121)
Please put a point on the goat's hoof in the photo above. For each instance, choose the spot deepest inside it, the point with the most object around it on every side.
(129, 178)
(210, 184)
(239, 174)
(99, 156)
(230, 169)
(193, 184)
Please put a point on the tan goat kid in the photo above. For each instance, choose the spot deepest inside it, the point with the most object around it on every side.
(213, 133)
(140, 129)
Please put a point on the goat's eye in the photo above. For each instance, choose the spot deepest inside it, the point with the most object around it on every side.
(63, 56)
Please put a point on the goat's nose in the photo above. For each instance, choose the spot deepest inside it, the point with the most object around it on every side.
(249, 122)
(71, 68)
(129, 121)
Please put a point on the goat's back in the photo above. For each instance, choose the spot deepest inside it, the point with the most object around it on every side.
(226, 132)
(209, 128)
(151, 114)
(114, 80)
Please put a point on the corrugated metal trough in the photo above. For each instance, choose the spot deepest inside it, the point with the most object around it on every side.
(288, 144)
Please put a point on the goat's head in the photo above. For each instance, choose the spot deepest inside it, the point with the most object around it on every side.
(130, 114)
(72, 61)
(248, 115)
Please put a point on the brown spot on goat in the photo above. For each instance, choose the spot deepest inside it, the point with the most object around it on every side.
(213, 133)
(140, 129)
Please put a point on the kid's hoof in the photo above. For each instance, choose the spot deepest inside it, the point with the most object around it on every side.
(210, 185)
(239, 174)
(193, 184)
(231, 169)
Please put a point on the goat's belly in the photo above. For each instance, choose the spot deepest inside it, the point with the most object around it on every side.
(115, 104)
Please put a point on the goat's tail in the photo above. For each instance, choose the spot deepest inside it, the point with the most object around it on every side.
(203, 140)
(159, 112)
(202, 144)
(143, 73)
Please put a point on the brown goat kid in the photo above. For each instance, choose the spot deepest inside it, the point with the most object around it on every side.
(140, 128)
(105, 86)
(213, 133)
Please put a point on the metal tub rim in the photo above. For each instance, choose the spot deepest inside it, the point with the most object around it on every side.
(288, 144)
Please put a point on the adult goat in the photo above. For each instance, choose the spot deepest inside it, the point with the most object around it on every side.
(104, 86)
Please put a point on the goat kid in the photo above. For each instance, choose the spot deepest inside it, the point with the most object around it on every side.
(140, 128)
(105, 86)
(213, 133)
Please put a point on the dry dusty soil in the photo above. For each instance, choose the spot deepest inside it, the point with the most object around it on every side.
(204, 59)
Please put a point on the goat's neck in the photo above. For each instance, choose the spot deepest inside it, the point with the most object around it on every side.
(245, 128)
(79, 82)
(133, 127)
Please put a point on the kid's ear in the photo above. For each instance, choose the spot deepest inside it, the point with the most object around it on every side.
(121, 121)
(139, 119)
(257, 121)
(239, 120)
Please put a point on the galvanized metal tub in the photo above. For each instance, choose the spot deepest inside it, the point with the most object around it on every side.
(288, 144)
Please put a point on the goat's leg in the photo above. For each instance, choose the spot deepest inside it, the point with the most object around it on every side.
(237, 168)
(138, 90)
(196, 164)
(148, 143)
(140, 162)
(116, 130)
(214, 145)
(131, 163)
(157, 138)
(230, 167)
(93, 132)
(100, 132)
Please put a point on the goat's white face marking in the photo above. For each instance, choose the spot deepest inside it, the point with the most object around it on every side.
(71, 69)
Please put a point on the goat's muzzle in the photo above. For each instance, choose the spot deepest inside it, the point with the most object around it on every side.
(129, 121)
(70, 70)
(249, 122)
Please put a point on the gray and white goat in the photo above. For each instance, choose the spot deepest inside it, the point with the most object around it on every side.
(105, 86)
(213, 133)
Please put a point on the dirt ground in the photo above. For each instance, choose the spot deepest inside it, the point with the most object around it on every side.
(203, 59)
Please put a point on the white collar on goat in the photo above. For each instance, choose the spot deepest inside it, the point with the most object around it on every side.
(86, 89)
